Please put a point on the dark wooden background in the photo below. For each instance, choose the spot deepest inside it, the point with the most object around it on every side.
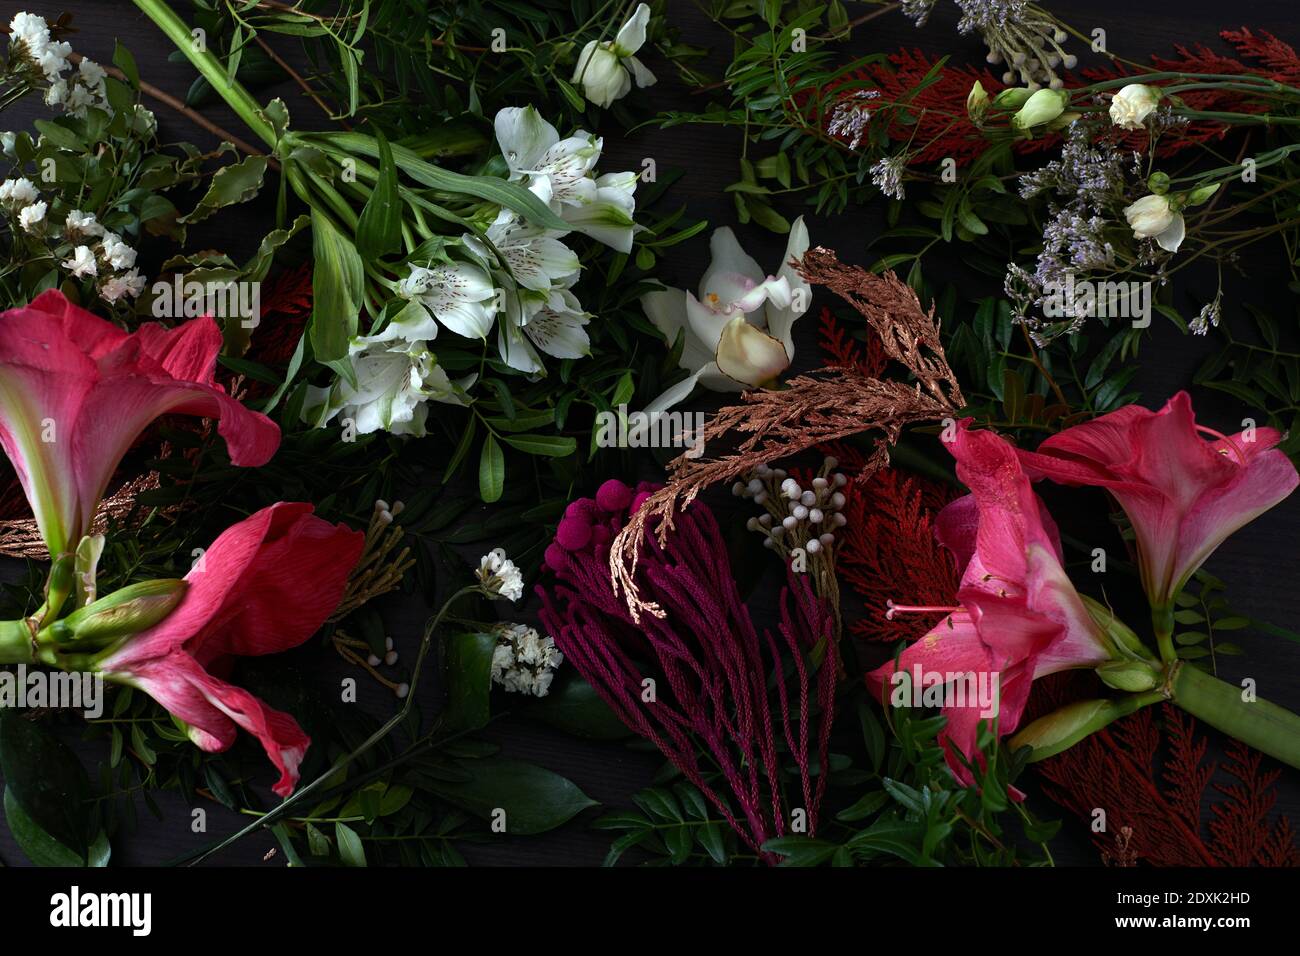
(1261, 564)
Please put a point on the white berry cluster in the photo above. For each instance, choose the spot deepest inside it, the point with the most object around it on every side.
(524, 662)
(796, 517)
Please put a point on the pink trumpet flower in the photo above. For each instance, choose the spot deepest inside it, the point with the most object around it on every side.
(265, 585)
(76, 391)
(1018, 616)
(1183, 494)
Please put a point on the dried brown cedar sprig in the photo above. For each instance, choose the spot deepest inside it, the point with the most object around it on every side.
(821, 406)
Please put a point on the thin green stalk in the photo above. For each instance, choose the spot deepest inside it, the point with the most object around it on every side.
(292, 801)
(1257, 723)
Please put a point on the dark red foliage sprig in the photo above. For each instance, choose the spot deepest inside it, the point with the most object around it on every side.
(745, 717)
(1149, 773)
(934, 125)
(887, 551)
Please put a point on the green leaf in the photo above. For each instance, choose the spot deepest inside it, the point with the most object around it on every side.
(468, 674)
(379, 231)
(574, 706)
(46, 777)
(491, 470)
(533, 798)
(124, 61)
(351, 850)
(513, 196)
(232, 184)
(37, 845)
(550, 446)
(336, 286)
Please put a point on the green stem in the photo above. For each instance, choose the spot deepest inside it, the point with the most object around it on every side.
(213, 70)
(1257, 723)
(16, 645)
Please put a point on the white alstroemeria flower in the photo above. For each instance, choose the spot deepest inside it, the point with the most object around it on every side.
(608, 216)
(557, 170)
(499, 575)
(1152, 218)
(459, 296)
(7, 142)
(127, 284)
(82, 264)
(118, 254)
(738, 331)
(1130, 107)
(555, 324)
(394, 380)
(32, 215)
(606, 70)
(81, 223)
(18, 192)
(537, 259)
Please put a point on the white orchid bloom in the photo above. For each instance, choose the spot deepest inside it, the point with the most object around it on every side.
(738, 332)
(395, 378)
(459, 296)
(1151, 217)
(606, 70)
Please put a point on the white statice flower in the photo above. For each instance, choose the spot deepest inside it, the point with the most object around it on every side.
(119, 286)
(738, 331)
(606, 69)
(53, 60)
(1152, 217)
(16, 193)
(459, 296)
(31, 31)
(79, 101)
(79, 223)
(499, 575)
(561, 172)
(57, 94)
(523, 661)
(29, 217)
(82, 264)
(92, 74)
(1130, 107)
(117, 253)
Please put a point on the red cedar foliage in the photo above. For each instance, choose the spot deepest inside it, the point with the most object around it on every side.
(935, 125)
(1149, 773)
(887, 551)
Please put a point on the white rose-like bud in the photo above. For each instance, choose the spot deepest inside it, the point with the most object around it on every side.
(1152, 218)
(1130, 107)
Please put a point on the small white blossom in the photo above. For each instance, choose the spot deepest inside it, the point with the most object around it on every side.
(1130, 107)
(18, 192)
(92, 74)
(82, 263)
(500, 576)
(81, 223)
(127, 284)
(57, 94)
(117, 252)
(7, 142)
(606, 70)
(524, 661)
(31, 216)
